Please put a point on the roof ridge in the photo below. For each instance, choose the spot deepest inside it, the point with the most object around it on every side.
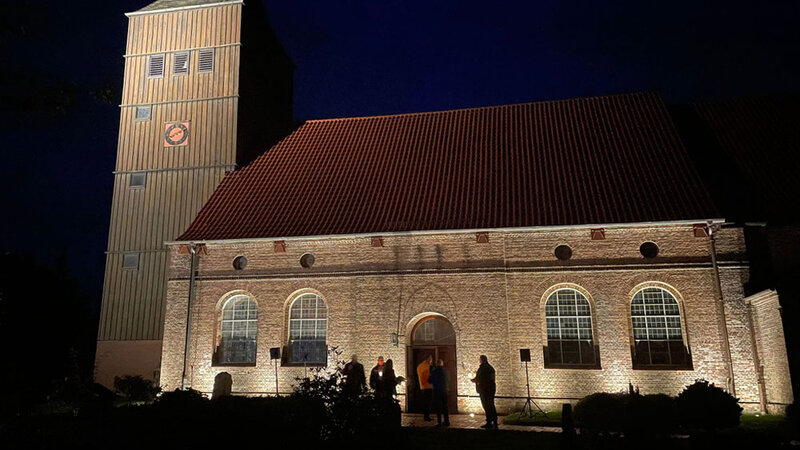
(487, 107)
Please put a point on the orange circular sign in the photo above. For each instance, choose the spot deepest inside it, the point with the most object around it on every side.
(176, 134)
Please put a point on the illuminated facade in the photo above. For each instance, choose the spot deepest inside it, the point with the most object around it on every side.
(578, 229)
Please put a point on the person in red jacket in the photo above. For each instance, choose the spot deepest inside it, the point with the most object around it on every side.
(423, 375)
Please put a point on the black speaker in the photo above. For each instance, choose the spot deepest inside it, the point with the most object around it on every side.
(525, 355)
(275, 353)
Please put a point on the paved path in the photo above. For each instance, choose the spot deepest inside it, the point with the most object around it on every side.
(469, 421)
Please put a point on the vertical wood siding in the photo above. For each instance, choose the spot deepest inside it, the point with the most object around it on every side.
(179, 179)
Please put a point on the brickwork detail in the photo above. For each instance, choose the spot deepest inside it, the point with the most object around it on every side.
(771, 344)
(492, 294)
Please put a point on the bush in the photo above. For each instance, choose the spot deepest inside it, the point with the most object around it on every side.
(187, 400)
(648, 416)
(136, 389)
(637, 416)
(703, 406)
(600, 413)
(346, 414)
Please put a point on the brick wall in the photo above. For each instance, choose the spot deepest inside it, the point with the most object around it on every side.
(493, 294)
(771, 345)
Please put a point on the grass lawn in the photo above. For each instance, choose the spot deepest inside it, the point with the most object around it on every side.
(766, 425)
(553, 419)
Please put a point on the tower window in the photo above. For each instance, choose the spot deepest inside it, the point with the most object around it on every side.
(143, 113)
(137, 180)
(155, 66)
(130, 261)
(180, 63)
(205, 60)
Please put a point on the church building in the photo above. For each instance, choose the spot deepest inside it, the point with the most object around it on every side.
(575, 234)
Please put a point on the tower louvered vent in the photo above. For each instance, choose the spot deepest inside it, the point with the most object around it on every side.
(205, 60)
(180, 63)
(155, 66)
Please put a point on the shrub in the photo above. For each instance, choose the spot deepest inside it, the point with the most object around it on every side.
(345, 414)
(648, 416)
(637, 416)
(703, 406)
(600, 413)
(136, 389)
(181, 400)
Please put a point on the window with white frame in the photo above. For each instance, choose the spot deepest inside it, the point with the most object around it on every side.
(308, 329)
(570, 341)
(657, 333)
(238, 331)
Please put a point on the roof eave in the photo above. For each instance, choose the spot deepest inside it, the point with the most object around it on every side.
(718, 221)
(182, 8)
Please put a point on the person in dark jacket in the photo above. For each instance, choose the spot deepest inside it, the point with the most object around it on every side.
(384, 381)
(390, 381)
(486, 387)
(440, 379)
(354, 378)
(376, 375)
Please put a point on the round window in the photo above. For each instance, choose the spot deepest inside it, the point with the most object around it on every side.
(563, 252)
(307, 260)
(649, 250)
(239, 263)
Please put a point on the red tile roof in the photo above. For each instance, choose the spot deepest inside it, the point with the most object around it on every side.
(602, 160)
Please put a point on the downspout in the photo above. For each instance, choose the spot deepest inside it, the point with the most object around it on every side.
(762, 386)
(193, 269)
(726, 345)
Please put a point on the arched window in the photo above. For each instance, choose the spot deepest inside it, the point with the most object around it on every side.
(570, 341)
(238, 331)
(308, 329)
(657, 334)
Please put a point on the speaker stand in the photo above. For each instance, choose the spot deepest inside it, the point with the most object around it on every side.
(277, 394)
(529, 403)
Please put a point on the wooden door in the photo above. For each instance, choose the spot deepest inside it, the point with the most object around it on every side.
(432, 336)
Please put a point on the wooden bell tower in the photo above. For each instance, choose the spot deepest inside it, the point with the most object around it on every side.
(207, 87)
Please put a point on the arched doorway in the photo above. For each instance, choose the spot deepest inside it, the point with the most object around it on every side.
(433, 335)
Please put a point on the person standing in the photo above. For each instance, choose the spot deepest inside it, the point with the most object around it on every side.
(354, 378)
(485, 384)
(390, 381)
(376, 375)
(423, 373)
(440, 380)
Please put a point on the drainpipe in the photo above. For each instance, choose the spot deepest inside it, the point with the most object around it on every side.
(726, 345)
(762, 386)
(193, 269)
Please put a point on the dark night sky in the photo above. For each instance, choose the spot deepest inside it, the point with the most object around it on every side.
(356, 58)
